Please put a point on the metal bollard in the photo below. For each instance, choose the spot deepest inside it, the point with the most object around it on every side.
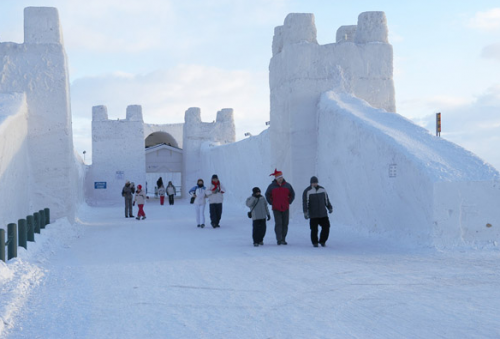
(2, 244)
(36, 217)
(42, 218)
(12, 242)
(47, 216)
(31, 227)
(23, 233)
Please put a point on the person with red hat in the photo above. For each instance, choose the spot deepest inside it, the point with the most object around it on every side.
(140, 198)
(280, 195)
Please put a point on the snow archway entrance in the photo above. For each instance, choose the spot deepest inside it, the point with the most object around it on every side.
(158, 138)
(163, 159)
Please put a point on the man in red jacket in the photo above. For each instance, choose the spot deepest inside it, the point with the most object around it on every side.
(280, 195)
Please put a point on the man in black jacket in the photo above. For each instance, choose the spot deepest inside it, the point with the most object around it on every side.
(315, 202)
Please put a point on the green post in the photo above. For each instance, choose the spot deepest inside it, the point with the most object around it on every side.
(23, 233)
(31, 228)
(47, 216)
(36, 217)
(12, 234)
(2, 244)
(42, 218)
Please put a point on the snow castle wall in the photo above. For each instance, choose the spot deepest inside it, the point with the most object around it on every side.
(387, 175)
(38, 68)
(117, 155)
(300, 70)
(15, 178)
(195, 135)
(240, 166)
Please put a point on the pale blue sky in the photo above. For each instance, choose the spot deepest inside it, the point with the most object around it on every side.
(171, 55)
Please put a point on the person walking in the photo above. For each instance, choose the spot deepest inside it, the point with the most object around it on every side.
(140, 198)
(171, 192)
(198, 192)
(161, 192)
(215, 198)
(315, 202)
(280, 195)
(159, 182)
(127, 193)
(259, 212)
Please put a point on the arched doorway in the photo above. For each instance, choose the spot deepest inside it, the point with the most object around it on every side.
(158, 138)
(163, 159)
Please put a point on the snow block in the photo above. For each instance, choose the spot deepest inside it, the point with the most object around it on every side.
(372, 27)
(41, 26)
(99, 113)
(346, 33)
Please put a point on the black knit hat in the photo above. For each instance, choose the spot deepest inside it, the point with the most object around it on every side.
(314, 180)
(255, 190)
(215, 176)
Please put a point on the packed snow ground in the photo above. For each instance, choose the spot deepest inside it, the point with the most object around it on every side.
(111, 277)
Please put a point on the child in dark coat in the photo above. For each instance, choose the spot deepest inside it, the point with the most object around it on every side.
(260, 212)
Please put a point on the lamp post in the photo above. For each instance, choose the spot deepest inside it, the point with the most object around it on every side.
(84, 156)
(438, 124)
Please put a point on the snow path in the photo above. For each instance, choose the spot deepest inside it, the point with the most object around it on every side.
(165, 278)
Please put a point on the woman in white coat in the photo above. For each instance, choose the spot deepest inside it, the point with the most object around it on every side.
(198, 192)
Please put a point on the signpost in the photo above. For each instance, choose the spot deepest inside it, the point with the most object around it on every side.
(438, 124)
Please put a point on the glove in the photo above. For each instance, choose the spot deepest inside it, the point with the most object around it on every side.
(268, 217)
(133, 204)
(306, 215)
(330, 210)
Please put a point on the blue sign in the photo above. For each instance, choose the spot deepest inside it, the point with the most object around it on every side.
(100, 185)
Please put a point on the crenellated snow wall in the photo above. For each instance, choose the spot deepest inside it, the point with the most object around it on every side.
(117, 155)
(387, 175)
(196, 134)
(301, 69)
(38, 68)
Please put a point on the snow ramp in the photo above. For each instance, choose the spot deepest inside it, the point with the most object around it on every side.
(389, 175)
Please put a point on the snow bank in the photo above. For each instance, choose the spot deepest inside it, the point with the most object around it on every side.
(19, 276)
(388, 175)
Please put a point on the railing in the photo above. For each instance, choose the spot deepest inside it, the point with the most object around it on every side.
(27, 229)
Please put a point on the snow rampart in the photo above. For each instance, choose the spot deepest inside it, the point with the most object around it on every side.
(388, 175)
(38, 68)
(15, 178)
(117, 155)
(301, 70)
